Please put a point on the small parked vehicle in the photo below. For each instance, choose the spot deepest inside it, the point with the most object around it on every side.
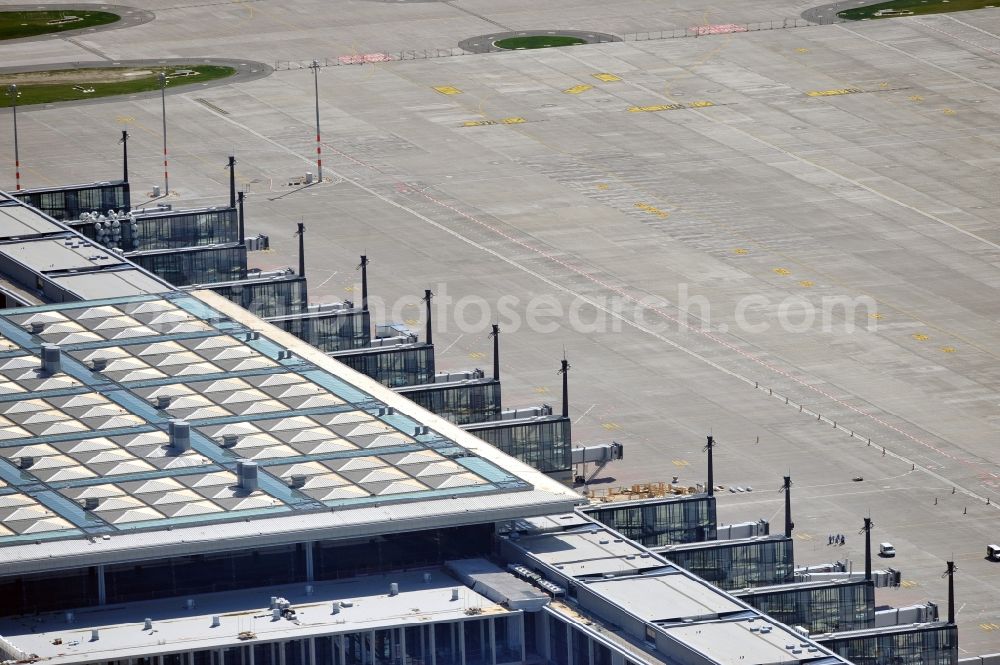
(886, 550)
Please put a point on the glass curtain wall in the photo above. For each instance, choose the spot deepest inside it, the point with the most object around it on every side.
(266, 298)
(195, 266)
(393, 366)
(836, 607)
(463, 404)
(542, 444)
(667, 522)
(738, 565)
(67, 203)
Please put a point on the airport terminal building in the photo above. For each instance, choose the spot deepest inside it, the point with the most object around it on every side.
(182, 482)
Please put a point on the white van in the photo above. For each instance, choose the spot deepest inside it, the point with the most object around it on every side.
(886, 550)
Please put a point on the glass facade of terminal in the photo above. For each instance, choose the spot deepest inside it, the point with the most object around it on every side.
(738, 564)
(658, 522)
(267, 298)
(928, 645)
(330, 331)
(465, 403)
(184, 267)
(393, 366)
(67, 203)
(239, 569)
(544, 444)
(186, 228)
(834, 607)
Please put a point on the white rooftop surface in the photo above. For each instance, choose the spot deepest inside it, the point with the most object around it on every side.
(111, 284)
(589, 553)
(121, 633)
(735, 642)
(50, 254)
(18, 220)
(669, 597)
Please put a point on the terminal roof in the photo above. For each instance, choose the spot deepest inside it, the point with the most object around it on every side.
(86, 458)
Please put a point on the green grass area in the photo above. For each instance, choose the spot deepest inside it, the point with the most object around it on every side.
(538, 41)
(915, 7)
(76, 84)
(14, 25)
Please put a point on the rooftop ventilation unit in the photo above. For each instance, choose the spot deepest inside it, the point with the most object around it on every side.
(246, 475)
(91, 503)
(180, 435)
(51, 359)
(99, 364)
(37, 327)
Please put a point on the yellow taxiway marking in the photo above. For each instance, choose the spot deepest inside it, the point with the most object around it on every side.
(948, 349)
(607, 78)
(831, 93)
(741, 251)
(908, 584)
(653, 210)
(804, 536)
(541, 390)
(478, 123)
(989, 627)
(601, 185)
(801, 50)
(513, 120)
(916, 98)
(655, 108)
(411, 322)
(784, 272)
(476, 355)
(948, 112)
(611, 426)
(876, 316)
(806, 283)
(577, 89)
(447, 90)
(703, 104)
(680, 463)
(920, 337)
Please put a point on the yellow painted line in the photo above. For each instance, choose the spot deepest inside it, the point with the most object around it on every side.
(124, 119)
(804, 536)
(680, 463)
(920, 337)
(653, 210)
(349, 289)
(577, 89)
(948, 349)
(602, 185)
(700, 105)
(909, 584)
(607, 78)
(989, 627)
(478, 123)
(784, 272)
(514, 120)
(447, 90)
(654, 109)
(875, 316)
(611, 426)
(916, 98)
(831, 93)
(411, 322)
(948, 112)
(806, 283)
(801, 50)
(476, 355)
(541, 390)
(741, 251)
